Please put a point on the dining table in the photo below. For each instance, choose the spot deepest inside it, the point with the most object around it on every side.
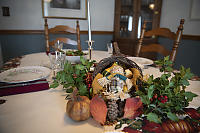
(45, 111)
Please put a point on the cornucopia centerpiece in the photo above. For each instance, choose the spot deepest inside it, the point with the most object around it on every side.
(121, 95)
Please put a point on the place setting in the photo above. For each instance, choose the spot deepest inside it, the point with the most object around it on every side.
(23, 79)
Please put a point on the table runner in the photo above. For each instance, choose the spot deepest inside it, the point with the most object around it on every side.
(32, 86)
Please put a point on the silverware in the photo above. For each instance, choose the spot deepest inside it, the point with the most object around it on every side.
(23, 84)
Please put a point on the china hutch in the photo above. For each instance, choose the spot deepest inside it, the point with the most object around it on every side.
(129, 17)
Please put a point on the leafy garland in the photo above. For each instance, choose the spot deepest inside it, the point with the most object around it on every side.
(73, 76)
(163, 97)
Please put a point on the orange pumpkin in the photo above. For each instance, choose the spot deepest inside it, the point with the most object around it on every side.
(78, 108)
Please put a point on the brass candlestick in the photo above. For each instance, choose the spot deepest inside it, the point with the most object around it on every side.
(90, 48)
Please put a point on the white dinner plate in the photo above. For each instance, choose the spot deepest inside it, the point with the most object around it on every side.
(24, 74)
(142, 61)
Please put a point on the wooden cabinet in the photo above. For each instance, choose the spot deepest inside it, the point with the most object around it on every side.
(129, 17)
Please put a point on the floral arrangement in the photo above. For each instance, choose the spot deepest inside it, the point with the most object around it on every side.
(164, 99)
(120, 95)
(75, 76)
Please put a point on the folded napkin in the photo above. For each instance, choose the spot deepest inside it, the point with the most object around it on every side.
(19, 88)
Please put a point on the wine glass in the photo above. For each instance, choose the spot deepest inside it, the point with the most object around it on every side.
(110, 48)
(57, 61)
(59, 45)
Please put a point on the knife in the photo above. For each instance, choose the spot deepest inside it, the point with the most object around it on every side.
(23, 84)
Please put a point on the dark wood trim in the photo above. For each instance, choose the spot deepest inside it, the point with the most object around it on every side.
(99, 32)
(42, 32)
(185, 36)
(21, 31)
(191, 37)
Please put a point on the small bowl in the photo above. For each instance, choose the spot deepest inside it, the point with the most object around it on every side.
(74, 59)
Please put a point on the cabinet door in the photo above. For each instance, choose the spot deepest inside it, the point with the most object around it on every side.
(150, 11)
(124, 18)
(129, 17)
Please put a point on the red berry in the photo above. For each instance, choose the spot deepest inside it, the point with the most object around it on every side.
(151, 99)
(155, 96)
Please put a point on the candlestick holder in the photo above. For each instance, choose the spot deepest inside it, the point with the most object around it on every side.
(90, 48)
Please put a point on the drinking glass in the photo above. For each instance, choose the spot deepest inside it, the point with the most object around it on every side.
(59, 45)
(110, 48)
(57, 61)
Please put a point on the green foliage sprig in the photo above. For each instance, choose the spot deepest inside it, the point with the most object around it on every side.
(73, 76)
(75, 53)
(164, 96)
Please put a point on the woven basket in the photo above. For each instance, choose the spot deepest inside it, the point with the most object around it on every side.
(122, 61)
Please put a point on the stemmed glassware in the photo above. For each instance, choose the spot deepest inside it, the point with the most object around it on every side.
(57, 59)
(110, 48)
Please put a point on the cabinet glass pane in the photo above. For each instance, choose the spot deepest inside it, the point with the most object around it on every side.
(147, 10)
(126, 18)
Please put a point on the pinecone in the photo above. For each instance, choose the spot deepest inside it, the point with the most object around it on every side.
(112, 110)
(121, 105)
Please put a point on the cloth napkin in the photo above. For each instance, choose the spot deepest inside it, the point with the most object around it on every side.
(23, 89)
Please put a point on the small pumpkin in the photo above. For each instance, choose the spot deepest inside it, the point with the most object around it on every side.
(180, 126)
(78, 108)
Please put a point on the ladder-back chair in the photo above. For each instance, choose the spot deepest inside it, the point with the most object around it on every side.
(159, 48)
(62, 29)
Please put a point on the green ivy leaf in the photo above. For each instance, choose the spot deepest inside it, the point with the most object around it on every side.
(185, 82)
(79, 79)
(67, 85)
(83, 90)
(80, 67)
(150, 91)
(54, 85)
(70, 90)
(190, 95)
(153, 117)
(69, 78)
(150, 80)
(145, 100)
(62, 77)
(172, 116)
(83, 60)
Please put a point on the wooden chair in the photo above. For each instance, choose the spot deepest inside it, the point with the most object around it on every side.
(116, 50)
(62, 29)
(158, 48)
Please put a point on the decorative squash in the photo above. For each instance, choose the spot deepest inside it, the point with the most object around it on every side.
(193, 113)
(177, 127)
(78, 108)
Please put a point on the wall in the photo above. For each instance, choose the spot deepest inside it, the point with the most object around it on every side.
(188, 51)
(18, 45)
(173, 11)
(27, 15)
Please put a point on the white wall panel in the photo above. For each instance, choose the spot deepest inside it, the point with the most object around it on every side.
(173, 11)
(27, 15)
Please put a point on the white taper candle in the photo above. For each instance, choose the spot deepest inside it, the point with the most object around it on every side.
(89, 25)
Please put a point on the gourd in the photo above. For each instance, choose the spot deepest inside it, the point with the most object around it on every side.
(180, 126)
(78, 108)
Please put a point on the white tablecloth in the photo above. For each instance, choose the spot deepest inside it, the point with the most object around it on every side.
(44, 111)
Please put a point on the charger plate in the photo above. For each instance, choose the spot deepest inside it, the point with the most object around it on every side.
(141, 60)
(24, 74)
